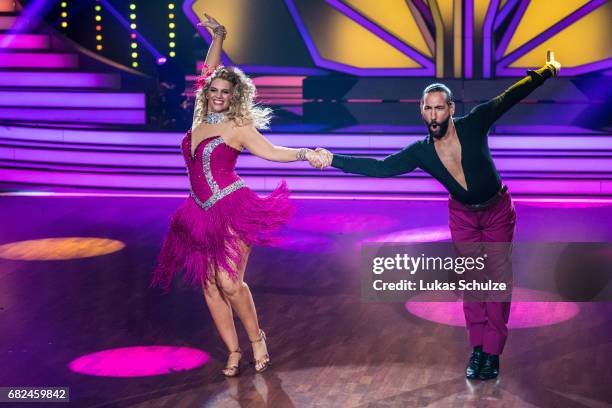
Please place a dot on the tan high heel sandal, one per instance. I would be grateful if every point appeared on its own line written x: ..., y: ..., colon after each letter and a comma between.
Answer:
x: 232, y: 370
x: 262, y: 365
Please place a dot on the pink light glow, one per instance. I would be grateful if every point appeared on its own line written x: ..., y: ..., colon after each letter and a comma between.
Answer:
x: 90, y: 99
x: 343, y: 223
x: 279, y: 81
x: 522, y: 314
x: 307, y: 243
x: 364, y: 100
x: 425, y: 234
x: 31, y: 60
x: 59, y: 79
x: 142, y: 361
x: 24, y: 41
x: 565, y: 204
x: 93, y: 115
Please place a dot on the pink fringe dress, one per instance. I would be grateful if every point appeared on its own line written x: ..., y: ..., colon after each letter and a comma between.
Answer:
x: 221, y: 211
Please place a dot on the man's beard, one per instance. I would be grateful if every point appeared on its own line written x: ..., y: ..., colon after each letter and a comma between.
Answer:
x: 440, y: 129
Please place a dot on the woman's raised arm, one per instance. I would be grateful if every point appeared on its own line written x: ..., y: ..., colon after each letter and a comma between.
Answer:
x: 213, y: 60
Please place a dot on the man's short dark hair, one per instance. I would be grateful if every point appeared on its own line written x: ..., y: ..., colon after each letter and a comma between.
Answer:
x: 438, y: 87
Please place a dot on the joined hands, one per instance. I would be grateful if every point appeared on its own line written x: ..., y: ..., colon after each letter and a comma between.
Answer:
x: 319, y: 158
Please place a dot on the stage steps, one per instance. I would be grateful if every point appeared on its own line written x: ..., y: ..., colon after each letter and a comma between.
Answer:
x: 578, y: 165
x: 42, y: 81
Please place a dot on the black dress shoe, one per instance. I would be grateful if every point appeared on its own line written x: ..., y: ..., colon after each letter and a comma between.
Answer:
x: 474, y: 365
x: 490, y: 367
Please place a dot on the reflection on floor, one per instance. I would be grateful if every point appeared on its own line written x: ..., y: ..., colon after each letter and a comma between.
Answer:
x: 88, y: 321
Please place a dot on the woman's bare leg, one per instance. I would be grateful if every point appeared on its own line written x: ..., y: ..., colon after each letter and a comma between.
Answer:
x: 221, y: 312
x: 239, y: 295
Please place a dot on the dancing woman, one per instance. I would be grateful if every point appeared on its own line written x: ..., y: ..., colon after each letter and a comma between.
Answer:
x: 211, y: 234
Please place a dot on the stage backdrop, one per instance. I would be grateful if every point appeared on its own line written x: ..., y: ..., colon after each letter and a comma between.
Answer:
x: 445, y: 38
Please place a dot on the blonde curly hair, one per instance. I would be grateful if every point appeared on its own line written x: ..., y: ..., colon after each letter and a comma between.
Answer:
x: 242, y: 109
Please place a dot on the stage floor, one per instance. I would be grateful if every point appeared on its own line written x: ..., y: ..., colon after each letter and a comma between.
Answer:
x: 328, y: 347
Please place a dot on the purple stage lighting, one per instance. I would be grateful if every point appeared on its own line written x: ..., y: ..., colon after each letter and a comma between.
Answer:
x: 424, y: 234
x: 306, y: 242
x: 60, y: 80
x: 340, y: 223
x: 34, y: 60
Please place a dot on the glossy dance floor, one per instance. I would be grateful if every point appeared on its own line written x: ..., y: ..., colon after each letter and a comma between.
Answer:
x: 76, y: 311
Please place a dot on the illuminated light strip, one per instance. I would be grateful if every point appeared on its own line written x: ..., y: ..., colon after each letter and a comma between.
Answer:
x: 364, y: 100
x: 162, y: 159
x: 74, y: 99
x: 302, y: 196
x: 555, y: 142
x: 99, y: 26
x: 64, y: 15
x: 108, y: 7
x: 33, y: 60
x: 133, y: 34
x: 60, y: 79
x: 24, y: 41
x: 88, y: 115
x: 171, y: 32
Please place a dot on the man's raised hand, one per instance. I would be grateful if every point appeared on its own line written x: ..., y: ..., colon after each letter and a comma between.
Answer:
x: 554, y: 65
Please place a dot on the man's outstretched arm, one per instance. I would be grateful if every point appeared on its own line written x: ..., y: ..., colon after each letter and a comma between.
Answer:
x: 401, y: 162
x: 488, y: 112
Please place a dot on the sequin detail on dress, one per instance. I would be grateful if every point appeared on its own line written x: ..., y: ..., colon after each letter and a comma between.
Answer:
x: 217, y: 193
x: 207, y: 232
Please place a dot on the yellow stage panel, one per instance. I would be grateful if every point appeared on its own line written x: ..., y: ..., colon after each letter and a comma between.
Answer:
x: 340, y: 39
x: 539, y: 16
x: 395, y: 17
x: 587, y: 40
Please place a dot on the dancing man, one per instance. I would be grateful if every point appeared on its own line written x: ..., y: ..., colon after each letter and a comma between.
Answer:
x: 456, y: 153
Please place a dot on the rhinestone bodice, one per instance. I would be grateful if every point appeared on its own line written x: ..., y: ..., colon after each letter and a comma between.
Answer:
x: 211, y: 170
